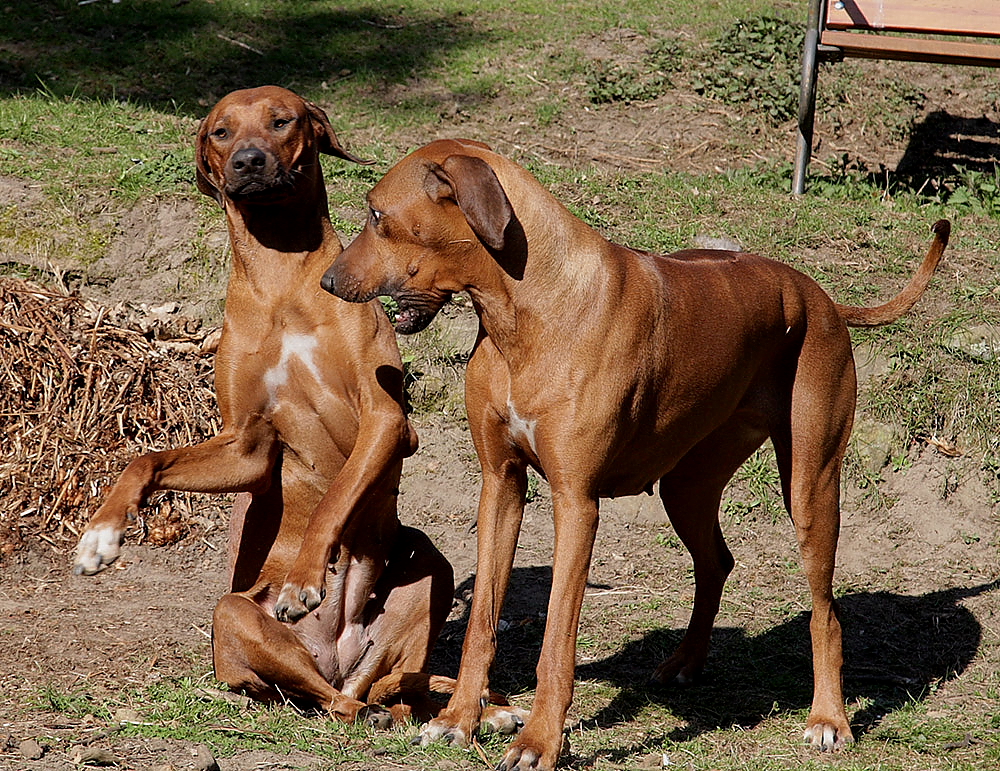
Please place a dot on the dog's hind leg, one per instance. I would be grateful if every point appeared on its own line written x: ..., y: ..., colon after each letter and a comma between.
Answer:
x: 398, y: 626
x: 257, y: 655
x: 810, y: 453
x: 691, y: 494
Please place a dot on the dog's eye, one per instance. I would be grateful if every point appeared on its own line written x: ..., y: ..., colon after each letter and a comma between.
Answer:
x: 280, y: 123
x: 220, y: 133
x: 376, y: 216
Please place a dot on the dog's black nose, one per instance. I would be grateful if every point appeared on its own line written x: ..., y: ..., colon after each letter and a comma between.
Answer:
x: 327, y: 282
x: 248, y: 161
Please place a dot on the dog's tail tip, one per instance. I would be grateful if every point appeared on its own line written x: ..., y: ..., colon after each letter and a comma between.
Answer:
x: 397, y: 684
x: 906, y: 299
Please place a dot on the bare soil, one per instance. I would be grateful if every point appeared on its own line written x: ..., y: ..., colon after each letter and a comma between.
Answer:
x: 918, y: 577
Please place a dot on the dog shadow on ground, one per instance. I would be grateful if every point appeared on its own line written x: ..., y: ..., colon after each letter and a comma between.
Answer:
x: 896, y: 648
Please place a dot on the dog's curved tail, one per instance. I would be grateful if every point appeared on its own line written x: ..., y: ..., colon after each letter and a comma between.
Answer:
x: 400, y: 683
x: 888, y: 312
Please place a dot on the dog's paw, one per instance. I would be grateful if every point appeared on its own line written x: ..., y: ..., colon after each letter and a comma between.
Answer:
x: 678, y: 670
x: 522, y: 759
x: 295, y: 601
x: 505, y: 721
x: 438, y: 730
x: 374, y: 716
x: 826, y: 737
x: 99, y: 547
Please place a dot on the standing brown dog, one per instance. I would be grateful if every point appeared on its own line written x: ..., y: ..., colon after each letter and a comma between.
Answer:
x: 314, y: 435
x: 609, y: 370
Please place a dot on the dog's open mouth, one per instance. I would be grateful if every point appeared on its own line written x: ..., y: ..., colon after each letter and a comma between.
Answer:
x: 412, y: 320
x: 414, y: 313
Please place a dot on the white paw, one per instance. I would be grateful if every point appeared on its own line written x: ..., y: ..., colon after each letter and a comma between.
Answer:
x: 505, y: 721
x: 99, y: 547
x: 826, y: 738
x: 441, y: 732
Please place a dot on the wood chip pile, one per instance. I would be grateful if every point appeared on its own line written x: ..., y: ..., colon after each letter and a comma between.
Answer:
x: 84, y: 388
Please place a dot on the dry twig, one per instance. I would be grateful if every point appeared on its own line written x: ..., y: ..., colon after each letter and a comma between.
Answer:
x: 85, y: 389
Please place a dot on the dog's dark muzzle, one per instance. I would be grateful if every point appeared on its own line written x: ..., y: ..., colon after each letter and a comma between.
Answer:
x: 346, y: 285
x: 251, y: 172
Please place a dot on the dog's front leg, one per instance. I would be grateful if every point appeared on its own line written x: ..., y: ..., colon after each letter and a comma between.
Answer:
x: 501, y: 507
x: 233, y: 461
x: 384, y: 439
x: 539, y: 744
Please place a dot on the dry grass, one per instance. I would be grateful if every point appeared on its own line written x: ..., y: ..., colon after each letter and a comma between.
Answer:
x: 86, y: 388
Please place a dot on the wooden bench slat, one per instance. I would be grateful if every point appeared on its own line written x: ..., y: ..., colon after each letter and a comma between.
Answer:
x: 978, y: 18
x: 827, y: 37
x: 912, y: 49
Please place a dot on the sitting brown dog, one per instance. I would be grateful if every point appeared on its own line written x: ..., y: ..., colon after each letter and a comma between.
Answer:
x: 609, y: 370
x: 310, y: 389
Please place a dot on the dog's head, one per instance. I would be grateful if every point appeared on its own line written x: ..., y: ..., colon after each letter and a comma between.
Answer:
x: 261, y: 145
x: 433, y: 216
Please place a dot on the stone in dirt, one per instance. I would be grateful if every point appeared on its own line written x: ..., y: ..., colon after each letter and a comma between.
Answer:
x: 30, y: 749
x: 204, y: 760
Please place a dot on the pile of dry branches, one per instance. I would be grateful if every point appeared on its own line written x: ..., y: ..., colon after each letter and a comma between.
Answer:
x: 85, y: 388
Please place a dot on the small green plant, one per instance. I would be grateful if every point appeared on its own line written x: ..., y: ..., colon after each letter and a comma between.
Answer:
x: 901, y: 461
x: 391, y: 309
x: 755, y: 61
x: 547, y: 112
x: 758, y: 476
x: 534, y: 483
x: 845, y: 178
x: 168, y: 169
x: 977, y: 191
x: 612, y: 83
x: 72, y: 704
x: 644, y: 81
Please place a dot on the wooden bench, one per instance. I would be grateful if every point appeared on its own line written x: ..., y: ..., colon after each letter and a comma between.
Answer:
x: 842, y: 28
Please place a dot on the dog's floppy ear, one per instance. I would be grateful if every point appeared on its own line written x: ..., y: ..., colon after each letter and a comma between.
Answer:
x: 326, y: 138
x: 470, y: 182
x: 203, y: 172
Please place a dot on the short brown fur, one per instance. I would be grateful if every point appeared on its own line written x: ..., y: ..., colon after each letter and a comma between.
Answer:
x: 611, y: 370
x: 313, y: 439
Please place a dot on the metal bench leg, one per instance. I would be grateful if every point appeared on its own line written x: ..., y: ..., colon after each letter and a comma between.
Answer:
x: 807, y: 98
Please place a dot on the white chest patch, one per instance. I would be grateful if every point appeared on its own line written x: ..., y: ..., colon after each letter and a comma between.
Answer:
x: 300, y: 347
x: 521, y: 429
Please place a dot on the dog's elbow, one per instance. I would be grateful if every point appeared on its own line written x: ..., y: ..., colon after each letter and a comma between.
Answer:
x: 400, y: 435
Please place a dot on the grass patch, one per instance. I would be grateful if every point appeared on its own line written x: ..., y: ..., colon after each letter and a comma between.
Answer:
x: 98, y: 108
x: 755, y: 61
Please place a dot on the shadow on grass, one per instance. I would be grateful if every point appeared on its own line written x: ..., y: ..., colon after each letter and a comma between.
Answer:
x: 186, y: 54
x: 895, y: 649
x: 949, y: 158
x: 942, y: 141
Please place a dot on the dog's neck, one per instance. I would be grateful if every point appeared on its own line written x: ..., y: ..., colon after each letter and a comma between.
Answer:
x: 557, y: 271
x: 278, y: 246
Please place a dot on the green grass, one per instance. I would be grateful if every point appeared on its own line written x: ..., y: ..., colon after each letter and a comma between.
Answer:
x: 202, y: 50
x: 98, y: 108
x: 191, y: 710
x: 914, y: 734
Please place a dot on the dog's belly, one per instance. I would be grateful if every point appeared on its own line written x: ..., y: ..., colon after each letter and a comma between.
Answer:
x: 646, y: 459
x: 317, y: 631
x: 620, y: 485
